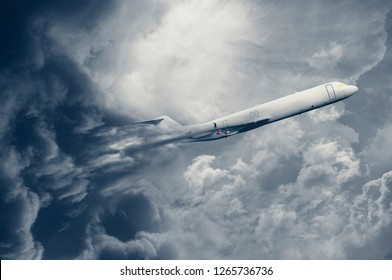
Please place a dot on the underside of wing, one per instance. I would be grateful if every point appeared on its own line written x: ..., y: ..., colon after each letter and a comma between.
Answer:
x: 227, y: 131
x: 253, y: 125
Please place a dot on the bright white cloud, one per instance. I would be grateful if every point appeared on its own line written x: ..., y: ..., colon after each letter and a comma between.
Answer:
x: 367, y: 235
x: 375, y: 151
x: 330, y: 113
x: 184, y: 66
x: 200, y: 172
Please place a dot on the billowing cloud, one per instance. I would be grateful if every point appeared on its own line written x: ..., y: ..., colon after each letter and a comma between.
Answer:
x: 19, y: 209
x: 77, y: 180
x: 371, y: 221
x: 375, y: 151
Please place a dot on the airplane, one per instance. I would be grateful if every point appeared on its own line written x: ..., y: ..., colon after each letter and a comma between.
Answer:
x: 257, y: 116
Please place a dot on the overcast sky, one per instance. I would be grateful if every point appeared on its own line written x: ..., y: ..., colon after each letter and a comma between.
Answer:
x: 75, y: 74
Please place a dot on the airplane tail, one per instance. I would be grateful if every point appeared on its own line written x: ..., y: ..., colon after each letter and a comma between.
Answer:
x: 164, y: 122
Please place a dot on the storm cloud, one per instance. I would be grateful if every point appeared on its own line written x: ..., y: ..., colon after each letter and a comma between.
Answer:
x: 79, y: 181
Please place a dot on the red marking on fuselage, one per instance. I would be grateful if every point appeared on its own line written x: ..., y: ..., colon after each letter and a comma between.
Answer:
x: 217, y: 132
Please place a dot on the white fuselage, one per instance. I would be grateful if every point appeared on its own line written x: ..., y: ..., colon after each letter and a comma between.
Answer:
x: 270, y: 112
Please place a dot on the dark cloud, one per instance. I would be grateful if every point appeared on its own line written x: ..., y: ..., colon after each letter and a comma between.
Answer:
x: 78, y: 181
x: 129, y: 216
x: 17, y: 18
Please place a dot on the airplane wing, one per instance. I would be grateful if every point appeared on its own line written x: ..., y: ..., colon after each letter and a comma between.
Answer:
x: 226, y: 131
x: 253, y: 125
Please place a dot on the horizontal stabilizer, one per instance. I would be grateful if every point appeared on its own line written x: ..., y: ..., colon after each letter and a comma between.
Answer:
x: 154, y: 121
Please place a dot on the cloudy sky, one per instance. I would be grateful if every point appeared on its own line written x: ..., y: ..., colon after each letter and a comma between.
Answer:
x: 75, y: 74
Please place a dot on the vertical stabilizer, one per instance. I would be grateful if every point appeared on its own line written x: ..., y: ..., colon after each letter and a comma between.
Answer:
x: 165, y: 123
x: 168, y: 123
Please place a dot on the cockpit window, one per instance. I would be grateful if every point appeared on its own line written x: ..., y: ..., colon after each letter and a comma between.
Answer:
x: 341, y: 85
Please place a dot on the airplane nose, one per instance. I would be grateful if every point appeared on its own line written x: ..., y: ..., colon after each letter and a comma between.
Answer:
x: 351, y: 89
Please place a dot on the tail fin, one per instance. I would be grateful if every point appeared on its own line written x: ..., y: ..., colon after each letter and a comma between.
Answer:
x: 168, y: 123
x: 164, y: 122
